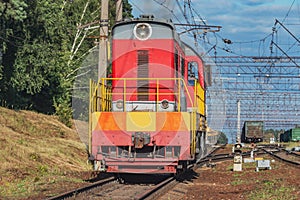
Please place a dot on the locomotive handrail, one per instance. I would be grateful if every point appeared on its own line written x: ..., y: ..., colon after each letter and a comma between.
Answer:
x: 105, y: 93
x: 101, y: 98
x: 97, y: 102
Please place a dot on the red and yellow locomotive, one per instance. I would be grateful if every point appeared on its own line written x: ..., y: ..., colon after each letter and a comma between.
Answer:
x: 149, y: 116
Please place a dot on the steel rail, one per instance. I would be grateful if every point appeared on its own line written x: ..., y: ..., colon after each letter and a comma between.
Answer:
x: 159, y: 186
x: 74, y: 192
x: 166, y: 183
x: 293, y: 163
x: 291, y: 153
x: 206, y: 160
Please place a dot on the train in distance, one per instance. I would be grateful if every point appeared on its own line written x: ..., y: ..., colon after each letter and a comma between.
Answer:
x: 253, y: 132
x: 291, y: 135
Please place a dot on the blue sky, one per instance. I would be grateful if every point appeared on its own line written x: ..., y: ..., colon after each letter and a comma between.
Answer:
x: 241, y: 20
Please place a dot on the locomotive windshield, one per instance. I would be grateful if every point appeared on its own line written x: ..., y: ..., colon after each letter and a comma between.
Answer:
x: 142, y: 31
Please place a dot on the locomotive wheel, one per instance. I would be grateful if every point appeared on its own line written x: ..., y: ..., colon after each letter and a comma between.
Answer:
x: 183, y: 169
x: 120, y: 179
x: 198, y: 146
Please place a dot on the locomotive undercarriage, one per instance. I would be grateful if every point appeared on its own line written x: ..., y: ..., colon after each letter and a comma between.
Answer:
x: 148, y: 158
x: 200, y: 145
x: 145, y: 152
x: 161, y: 159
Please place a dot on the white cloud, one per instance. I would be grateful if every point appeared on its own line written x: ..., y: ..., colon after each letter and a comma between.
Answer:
x: 256, y: 2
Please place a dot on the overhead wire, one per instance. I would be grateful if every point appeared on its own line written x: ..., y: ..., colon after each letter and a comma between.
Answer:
x: 194, y: 21
x: 288, y: 12
x: 205, y: 39
x: 166, y: 7
x: 175, y: 16
x: 275, y: 31
x: 137, y: 7
x: 214, y: 46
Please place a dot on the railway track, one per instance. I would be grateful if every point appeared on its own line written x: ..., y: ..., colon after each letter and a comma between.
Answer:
x: 74, y: 193
x: 284, y: 156
x: 117, y: 187
x: 113, y: 189
x: 168, y: 186
x: 209, y: 161
x: 292, y: 153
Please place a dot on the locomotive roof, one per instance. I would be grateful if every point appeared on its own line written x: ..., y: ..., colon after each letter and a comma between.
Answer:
x: 149, y: 19
x: 190, y: 51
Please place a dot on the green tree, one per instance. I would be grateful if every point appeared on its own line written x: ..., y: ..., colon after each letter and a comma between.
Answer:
x: 271, y: 133
x: 12, y: 15
x: 1, y: 67
x: 42, y: 49
x: 222, y: 139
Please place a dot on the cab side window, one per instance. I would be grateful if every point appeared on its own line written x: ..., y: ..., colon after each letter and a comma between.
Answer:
x: 182, y: 66
x: 176, y: 62
x: 192, y: 72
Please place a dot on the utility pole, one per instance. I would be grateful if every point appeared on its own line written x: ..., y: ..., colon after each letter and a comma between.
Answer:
x: 102, y: 65
x: 119, y: 10
x: 238, y: 133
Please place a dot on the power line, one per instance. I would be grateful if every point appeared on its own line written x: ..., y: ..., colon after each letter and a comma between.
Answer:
x: 262, y: 83
x: 166, y: 7
x: 136, y: 6
x: 182, y: 12
x: 288, y: 11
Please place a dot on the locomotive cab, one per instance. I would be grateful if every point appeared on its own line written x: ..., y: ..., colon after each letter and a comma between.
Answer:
x: 143, y: 52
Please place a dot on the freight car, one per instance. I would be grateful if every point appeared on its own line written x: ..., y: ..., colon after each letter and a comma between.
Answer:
x: 149, y: 116
x: 212, y: 136
x: 291, y: 135
x: 252, y: 132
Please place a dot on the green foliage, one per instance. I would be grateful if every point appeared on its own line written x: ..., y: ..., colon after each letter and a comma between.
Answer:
x: 41, y: 49
x: 63, y: 110
x: 1, y: 71
x: 222, y: 139
x: 35, y: 157
x: 14, y: 9
x: 42, y: 169
x: 1, y: 67
x: 273, y: 133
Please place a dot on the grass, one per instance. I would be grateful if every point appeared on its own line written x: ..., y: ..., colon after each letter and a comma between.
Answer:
x: 29, y: 186
x: 237, y: 182
x: 290, y: 145
x: 271, y: 190
x: 244, y: 166
x: 265, y: 189
x: 37, y: 151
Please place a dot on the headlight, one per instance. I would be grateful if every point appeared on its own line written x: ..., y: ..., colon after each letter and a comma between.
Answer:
x: 142, y: 31
x: 119, y: 104
x: 164, y: 104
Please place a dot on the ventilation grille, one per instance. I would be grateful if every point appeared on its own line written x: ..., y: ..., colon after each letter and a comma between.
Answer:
x: 143, y: 72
